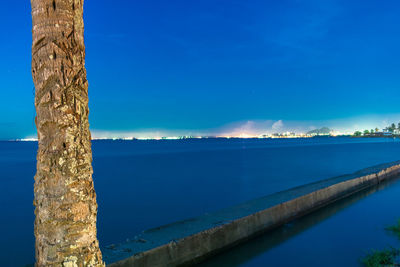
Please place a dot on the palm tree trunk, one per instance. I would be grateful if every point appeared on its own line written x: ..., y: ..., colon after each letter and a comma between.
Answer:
x: 65, y: 200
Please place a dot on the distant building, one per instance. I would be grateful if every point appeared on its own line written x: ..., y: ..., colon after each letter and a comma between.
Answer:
x: 381, y: 134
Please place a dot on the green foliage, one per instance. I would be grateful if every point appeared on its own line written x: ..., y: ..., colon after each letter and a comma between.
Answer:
x: 391, y: 128
x: 378, y: 258
x: 395, y: 229
x: 387, y: 257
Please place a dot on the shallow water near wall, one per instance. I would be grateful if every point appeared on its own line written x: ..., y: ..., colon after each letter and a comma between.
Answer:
x: 144, y: 184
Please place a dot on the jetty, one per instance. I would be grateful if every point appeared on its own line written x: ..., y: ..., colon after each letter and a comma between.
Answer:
x: 190, y: 241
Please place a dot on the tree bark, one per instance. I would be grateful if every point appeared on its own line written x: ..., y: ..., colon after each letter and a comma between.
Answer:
x: 65, y: 200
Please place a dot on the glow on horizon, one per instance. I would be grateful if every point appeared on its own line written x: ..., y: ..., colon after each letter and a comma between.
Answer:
x: 249, y: 129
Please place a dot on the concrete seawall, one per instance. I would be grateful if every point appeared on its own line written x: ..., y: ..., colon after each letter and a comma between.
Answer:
x: 190, y: 241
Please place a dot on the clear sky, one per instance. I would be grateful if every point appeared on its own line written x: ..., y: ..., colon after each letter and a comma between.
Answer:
x: 210, y: 66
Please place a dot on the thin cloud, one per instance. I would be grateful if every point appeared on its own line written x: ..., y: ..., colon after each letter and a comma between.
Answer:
x: 277, y: 125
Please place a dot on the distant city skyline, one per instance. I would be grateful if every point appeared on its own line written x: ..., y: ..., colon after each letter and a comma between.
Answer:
x: 220, y: 67
x: 252, y: 128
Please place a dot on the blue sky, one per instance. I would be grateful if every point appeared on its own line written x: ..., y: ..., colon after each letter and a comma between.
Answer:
x: 217, y: 66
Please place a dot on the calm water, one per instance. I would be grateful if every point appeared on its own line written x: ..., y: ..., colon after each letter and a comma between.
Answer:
x: 338, y: 235
x: 143, y: 184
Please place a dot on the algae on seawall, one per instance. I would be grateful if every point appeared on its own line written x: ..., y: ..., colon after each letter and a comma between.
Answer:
x: 386, y: 257
x: 395, y: 229
x: 379, y: 258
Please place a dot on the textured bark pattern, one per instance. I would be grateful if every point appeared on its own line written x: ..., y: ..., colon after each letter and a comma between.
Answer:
x: 65, y: 200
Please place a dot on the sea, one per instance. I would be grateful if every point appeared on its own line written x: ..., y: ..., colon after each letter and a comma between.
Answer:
x: 142, y: 184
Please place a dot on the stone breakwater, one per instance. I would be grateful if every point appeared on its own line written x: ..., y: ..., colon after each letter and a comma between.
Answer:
x: 186, y: 242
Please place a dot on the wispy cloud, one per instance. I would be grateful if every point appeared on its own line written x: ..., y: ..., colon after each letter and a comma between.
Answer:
x: 308, y: 26
x: 277, y: 125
